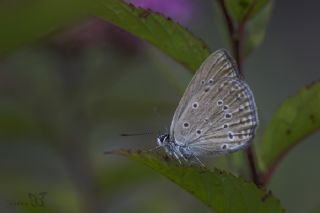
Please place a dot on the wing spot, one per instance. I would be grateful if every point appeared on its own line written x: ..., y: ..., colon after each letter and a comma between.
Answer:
x: 207, y: 89
x: 195, y: 105
x: 230, y: 136
x: 202, y: 82
x: 228, y: 115
x: 210, y: 81
x: 224, y: 146
x: 225, y: 126
x: 198, y: 132
x: 225, y: 107
x: 219, y: 102
x: 186, y: 124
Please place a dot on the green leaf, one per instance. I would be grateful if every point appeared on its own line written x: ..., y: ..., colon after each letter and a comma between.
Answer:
x: 162, y: 32
x: 22, y: 23
x: 255, y: 29
x: 221, y: 191
x: 244, y: 9
x: 25, y: 21
x: 297, y: 118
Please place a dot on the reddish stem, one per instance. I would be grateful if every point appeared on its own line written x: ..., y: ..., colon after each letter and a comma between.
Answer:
x: 253, y: 167
x: 236, y: 37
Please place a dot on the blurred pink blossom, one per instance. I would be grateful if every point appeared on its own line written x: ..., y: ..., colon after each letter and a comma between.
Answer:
x: 179, y: 10
x: 95, y: 31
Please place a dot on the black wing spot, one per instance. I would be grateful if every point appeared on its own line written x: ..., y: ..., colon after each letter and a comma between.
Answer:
x: 195, y: 105
x: 228, y: 115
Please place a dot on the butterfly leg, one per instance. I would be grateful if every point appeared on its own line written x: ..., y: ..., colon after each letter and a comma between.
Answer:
x: 183, y: 157
x: 154, y: 149
x: 179, y: 153
x: 198, y: 160
x: 177, y: 157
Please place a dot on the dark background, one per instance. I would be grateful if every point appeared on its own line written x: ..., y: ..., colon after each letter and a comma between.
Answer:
x: 66, y: 98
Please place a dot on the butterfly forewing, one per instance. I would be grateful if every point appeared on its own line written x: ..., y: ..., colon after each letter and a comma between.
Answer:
x: 217, y: 66
x: 218, y: 116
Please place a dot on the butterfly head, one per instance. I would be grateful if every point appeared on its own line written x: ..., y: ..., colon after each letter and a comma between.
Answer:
x: 163, y: 140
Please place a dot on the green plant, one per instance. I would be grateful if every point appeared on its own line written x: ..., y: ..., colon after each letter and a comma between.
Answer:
x: 244, y: 23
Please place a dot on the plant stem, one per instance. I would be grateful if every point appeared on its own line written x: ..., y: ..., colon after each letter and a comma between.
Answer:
x: 236, y: 33
x: 253, y: 167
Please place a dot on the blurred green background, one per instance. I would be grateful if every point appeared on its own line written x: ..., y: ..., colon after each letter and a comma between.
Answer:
x: 67, y: 97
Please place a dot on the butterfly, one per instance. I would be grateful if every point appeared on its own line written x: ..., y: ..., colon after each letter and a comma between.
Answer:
x: 217, y: 113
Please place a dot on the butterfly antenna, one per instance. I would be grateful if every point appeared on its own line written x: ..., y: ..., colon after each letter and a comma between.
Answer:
x: 137, y: 134
x: 154, y: 149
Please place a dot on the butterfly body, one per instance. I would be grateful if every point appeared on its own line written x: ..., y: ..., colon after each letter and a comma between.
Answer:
x: 217, y: 113
x: 173, y: 148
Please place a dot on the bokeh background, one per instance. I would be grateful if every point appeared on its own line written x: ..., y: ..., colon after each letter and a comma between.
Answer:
x: 66, y: 98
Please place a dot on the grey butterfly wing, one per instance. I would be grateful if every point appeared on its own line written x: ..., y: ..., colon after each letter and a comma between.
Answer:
x: 218, y: 65
x: 218, y: 117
